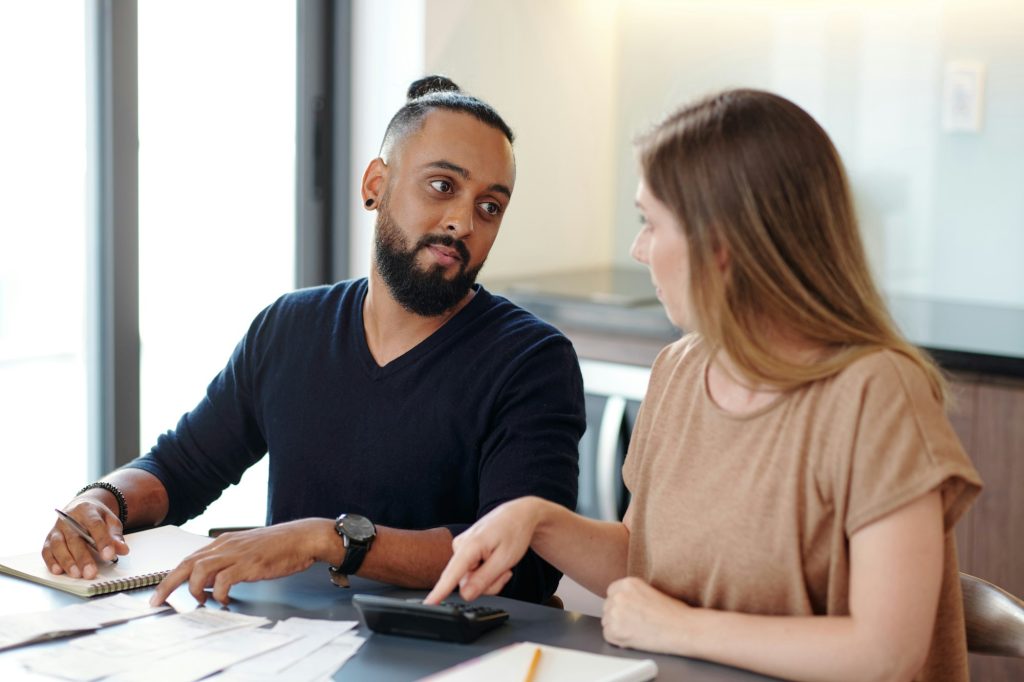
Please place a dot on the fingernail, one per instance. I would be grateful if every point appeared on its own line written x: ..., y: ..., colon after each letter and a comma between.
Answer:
x: 74, y: 572
x: 108, y: 553
x: 56, y: 569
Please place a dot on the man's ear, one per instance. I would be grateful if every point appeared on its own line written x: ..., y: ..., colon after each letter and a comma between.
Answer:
x: 374, y: 180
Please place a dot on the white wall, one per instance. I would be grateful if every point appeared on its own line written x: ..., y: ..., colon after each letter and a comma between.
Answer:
x: 388, y: 49
x: 942, y: 212
x: 549, y: 67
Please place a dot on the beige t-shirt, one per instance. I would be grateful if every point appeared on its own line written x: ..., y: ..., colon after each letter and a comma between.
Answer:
x: 754, y: 513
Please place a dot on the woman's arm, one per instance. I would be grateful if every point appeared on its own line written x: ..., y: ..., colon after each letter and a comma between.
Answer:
x: 591, y: 552
x: 895, y: 578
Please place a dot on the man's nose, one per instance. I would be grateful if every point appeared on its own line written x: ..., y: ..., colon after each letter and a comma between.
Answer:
x: 459, y: 221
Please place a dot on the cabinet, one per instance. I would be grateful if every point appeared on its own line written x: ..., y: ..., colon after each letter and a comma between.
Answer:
x: 988, y: 415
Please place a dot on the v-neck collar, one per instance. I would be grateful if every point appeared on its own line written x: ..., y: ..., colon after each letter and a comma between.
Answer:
x: 460, y: 320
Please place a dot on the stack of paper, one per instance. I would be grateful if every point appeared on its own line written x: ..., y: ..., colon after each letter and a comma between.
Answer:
x: 191, y: 646
x: 28, y: 628
x: 321, y: 648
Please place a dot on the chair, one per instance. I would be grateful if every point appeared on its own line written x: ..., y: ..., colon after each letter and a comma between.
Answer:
x: 994, y: 617
x: 216, y: 532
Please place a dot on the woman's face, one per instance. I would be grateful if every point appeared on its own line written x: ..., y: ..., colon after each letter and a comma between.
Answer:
x: 662, y: 247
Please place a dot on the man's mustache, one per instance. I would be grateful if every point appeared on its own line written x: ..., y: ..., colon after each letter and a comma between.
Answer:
x: 444, y: 240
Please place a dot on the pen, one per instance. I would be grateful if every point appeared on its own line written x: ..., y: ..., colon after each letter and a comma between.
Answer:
x: 531, y: 672
x: 77, y: 527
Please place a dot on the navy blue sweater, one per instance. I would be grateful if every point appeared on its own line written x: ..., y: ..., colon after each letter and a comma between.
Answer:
x: 487, y: 409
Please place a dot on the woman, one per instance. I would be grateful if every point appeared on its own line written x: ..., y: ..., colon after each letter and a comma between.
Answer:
x: 794, y: 478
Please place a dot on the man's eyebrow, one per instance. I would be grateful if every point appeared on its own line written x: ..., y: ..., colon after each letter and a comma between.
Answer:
x: 464, y: 174
x: 448, y: 165
x: 501, y: 189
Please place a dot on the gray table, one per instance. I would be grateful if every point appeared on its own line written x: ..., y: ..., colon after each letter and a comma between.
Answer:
x: 387, y: 658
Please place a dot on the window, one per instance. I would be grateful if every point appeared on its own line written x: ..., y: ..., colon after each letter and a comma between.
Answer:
x: 217, y: 93
x: 43, y: 410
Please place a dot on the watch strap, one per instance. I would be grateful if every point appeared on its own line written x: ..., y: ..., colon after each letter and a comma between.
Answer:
x: 355, y: 553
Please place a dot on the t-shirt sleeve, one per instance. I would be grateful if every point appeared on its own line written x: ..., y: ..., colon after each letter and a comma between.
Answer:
x: 633, y: 468
x: 213, y: 444
x: 903, y: 447
x: 532, y: 448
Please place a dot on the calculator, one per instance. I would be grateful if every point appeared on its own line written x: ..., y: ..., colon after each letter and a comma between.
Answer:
x: 447, y: 621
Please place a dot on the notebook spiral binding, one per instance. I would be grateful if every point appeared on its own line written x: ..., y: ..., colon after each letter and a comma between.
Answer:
x: 132, y: 583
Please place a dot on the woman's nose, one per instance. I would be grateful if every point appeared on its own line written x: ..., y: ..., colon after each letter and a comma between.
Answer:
x: 639, y: 249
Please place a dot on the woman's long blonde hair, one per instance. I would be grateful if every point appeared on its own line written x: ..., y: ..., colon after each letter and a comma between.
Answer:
x: 752, y: 173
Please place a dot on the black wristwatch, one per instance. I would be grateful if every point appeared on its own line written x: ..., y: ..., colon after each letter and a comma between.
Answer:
x: 358, y: 533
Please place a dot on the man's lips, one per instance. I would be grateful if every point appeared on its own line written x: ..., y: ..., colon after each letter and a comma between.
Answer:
x: 443, y: 254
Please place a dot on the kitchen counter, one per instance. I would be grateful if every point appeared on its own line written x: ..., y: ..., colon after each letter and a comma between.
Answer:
x: 619, y: 304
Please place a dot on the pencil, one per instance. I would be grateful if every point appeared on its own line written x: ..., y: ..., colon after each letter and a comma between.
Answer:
x: 531, y: 672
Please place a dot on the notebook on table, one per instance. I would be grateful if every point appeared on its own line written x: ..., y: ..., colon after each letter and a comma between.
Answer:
x: 515, y: 663
x: 154, y: 553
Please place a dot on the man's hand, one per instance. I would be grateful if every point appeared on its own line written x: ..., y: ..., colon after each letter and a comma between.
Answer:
x: 64, y: 551
x: 248, y: 556
x: 639, y: 616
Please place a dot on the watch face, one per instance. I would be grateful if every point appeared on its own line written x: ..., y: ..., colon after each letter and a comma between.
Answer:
x: 356, y: 527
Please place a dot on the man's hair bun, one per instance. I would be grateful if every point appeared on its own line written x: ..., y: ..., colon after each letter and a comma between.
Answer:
x: 437, y: 92
x: 430, y: 84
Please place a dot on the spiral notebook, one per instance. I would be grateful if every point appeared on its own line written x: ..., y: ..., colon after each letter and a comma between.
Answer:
x: 153, y: 554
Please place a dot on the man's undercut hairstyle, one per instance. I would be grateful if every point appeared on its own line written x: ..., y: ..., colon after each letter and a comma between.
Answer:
x: 437, y: 92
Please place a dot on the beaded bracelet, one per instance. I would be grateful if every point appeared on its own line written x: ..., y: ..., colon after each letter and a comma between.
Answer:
x: 122, y: 505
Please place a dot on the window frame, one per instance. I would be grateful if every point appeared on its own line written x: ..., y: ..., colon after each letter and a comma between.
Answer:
x: 323, y: 95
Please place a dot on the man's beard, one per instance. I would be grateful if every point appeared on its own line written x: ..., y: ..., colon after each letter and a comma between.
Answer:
x: 423, y: 292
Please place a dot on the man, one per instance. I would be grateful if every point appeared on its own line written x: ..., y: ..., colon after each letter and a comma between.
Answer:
x: 410, y: 403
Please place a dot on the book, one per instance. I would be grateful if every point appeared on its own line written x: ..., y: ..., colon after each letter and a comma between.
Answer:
x: 555, y: 664
x: 153, y: 554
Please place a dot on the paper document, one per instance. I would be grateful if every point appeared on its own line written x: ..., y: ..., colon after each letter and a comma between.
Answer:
x: 204, y: 657
x: 322, y: 647
x: 139, y: 645
x: 28, y: 628
x: 511, y: 663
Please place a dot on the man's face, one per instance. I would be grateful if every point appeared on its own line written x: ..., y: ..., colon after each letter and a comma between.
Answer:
x: 442, y: 199
x: 428, y: 292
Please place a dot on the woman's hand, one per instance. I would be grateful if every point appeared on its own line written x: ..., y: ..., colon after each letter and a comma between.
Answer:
x: 639, y: 616
x: 485, y: 553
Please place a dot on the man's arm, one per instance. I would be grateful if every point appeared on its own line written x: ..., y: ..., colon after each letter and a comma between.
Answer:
x: 97, y: 510
x: 401, y: 557
x: 533, y: 447
x: 189, y: 467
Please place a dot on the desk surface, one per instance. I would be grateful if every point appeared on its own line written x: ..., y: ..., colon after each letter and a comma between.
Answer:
x: 386, y: 658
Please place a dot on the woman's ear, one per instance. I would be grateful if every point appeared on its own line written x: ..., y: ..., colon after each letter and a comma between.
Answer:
x: 723, y: 259
x: 374, y: 180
